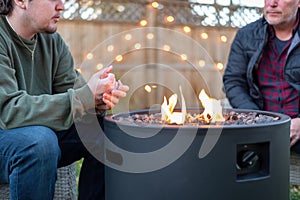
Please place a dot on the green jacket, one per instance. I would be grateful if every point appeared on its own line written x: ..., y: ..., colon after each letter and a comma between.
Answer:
x: 39, y: 91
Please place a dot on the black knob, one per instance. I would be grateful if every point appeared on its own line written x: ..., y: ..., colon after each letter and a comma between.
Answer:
x: 247, y: 159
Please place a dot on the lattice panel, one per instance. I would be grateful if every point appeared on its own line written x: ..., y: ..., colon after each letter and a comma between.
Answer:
x: 124, y: 11
x: 183, y: 12
x: 196, y: 14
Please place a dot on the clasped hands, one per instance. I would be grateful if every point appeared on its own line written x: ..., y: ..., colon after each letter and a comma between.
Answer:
x: 106, y: 90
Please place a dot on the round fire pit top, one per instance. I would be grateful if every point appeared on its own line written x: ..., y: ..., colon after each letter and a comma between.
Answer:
x: 241, y: 118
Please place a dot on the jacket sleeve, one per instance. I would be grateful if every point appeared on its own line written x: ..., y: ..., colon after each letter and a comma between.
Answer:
x: 235, y: 76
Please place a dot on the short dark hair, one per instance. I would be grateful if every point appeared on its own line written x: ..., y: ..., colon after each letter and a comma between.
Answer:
x: 5, y: 6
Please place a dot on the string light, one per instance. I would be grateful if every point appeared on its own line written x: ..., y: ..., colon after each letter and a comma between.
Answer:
x: 90, y: 56
x: 184, y: 57
x: 169, y: 19
x: 137, y: 46
x: 128, y: 37
x: 204, y: 36
x: 120, y: 8
x: 110, y: 48
x: 166, y: 48
x: 150, y: 36
x: 99, y: 66
x: 219, y: 66
x: 119, y: 58
x: 223, y: 38
x: 186, y: 29
x: 143, y: 22
x: 155, y: 4
x: 201, y: 63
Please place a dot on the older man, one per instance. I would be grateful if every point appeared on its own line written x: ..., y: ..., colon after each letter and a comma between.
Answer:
x: 263, y: 70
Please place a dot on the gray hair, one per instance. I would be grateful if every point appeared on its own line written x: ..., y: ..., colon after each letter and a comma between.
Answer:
x: 5, y: 6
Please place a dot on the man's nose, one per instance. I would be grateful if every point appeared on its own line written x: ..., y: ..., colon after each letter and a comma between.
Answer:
x: 273, y: 3
x: 60, y: 6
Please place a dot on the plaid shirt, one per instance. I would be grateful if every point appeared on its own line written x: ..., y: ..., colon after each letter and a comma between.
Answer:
x: 278, y: 95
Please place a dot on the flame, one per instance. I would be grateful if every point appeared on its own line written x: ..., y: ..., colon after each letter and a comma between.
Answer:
x: 212, y: 108
x: 167, y: 110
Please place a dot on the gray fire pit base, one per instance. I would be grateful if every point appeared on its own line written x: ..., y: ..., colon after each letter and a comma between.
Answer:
x: 247, y: 163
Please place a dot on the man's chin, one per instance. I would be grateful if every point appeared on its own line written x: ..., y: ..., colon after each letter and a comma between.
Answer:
x: 50, y: 31
x: 274, y: 22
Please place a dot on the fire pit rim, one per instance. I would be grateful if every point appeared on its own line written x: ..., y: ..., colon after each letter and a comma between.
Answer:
x: 282, y: 119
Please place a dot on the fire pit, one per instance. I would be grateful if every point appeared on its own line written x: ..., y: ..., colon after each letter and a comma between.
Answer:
x: 229, y: 160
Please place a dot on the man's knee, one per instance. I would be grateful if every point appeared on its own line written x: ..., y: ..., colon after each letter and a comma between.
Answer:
x: 39, y: 142
x: 296, y: 147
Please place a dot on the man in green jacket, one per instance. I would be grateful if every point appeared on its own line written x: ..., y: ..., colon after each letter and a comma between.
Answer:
x: 39, y: 102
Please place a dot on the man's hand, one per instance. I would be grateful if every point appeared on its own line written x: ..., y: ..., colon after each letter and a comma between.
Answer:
x: 100, y: 84
x: 107, y: 92
x: 295, y: 131
x: 105, y: 86
x: 112, y: 98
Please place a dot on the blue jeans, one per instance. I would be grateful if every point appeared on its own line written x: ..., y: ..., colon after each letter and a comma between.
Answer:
x: 296, y: 147
x: 29, y: 157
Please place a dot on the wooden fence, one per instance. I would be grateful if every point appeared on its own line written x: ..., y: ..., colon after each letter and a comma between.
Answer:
x: 153, y: 61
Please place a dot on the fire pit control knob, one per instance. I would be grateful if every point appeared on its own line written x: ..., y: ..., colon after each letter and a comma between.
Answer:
x: 247, y: 159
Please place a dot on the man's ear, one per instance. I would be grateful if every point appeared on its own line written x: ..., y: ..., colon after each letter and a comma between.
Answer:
x: 20, y: 3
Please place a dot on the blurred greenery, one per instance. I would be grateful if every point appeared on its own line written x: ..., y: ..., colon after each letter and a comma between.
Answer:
x: 294, y: 190
x: 78, y: 166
